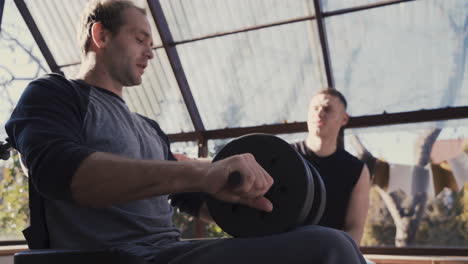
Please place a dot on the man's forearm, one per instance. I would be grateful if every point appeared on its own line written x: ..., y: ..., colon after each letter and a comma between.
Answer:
x: 103, y: 179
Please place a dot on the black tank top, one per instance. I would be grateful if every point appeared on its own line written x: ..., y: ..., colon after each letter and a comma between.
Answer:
x: 340, y: 173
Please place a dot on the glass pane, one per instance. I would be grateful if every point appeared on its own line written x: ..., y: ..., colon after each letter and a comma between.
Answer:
x: 20, y: 63
x: 14, y: 209
x: 57, y: 21
x: 9, y: 95
x: 429, y: 158
x: 260, y: 77
x: 159, y: 96
x: 215, y: 145
x: 71, y: 71
x: 188, y: 19
x: 188, y: 148
x: 402, y: 57
x: 294, y: 137
x: 331, y: 5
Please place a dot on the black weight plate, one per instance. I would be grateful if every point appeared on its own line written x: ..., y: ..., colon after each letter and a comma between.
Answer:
x: 291, y: 194
x: 320, y: 197
x: 309, y: 199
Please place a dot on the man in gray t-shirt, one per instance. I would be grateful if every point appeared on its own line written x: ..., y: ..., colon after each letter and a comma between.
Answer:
x: 102, y: 173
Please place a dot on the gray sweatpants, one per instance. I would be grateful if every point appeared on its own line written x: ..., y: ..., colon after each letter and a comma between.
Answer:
x: 304, y: 245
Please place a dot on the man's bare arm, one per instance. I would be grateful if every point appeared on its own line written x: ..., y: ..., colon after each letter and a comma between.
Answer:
x: 104, y: 179
x: 358, y: 207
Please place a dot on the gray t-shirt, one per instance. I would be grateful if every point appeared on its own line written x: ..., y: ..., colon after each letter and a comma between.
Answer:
x: 55, y: 126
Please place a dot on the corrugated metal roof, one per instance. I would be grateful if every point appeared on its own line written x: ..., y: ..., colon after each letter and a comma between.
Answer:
x: 57, y: 21
x: 402, y: 57
x: 259, y: 77
x: 159, y: 96
x: 330, y: 5
x: 194, y: 18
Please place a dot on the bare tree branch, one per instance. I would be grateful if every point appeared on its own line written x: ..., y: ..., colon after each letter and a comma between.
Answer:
x: 423, y: 146
x: 364, y: 154
x: 4, y: 80
x: 390, y: 203
x: 23, y: 47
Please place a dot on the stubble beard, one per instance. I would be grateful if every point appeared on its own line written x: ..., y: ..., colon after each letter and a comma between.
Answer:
x: 131, y: 77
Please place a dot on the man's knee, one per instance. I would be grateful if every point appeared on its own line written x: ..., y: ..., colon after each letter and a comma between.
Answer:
x: 325, y: 238
x: 331, y: 245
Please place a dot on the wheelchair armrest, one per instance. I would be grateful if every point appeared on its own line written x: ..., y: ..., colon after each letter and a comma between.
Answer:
x: 68, y: 256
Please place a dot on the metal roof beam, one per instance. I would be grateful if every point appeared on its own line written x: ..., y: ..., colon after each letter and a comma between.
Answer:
x: 290, y: 21
x: 246, y: 29
x: 24, y: 11
x: 363, y: 7
x: 239, y: 131
x: 2, y: 5
x: 176, y: 65
x: 324, y: 43
x: 448, y: 113
x: 432, y: 115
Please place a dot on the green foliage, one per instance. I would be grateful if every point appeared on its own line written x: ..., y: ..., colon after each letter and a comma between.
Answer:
x: 188, y: 225
x: 14, y: 210
x: 379, y: 229
x: 441, y: 225
x: 213, y: 230
x: 444, y: 223
x: 185, y: 223
x: 462, y: 218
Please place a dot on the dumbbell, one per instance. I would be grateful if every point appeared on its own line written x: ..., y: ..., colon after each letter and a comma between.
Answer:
x: 298, y: 193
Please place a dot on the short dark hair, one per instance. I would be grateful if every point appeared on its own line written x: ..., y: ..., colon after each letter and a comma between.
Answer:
x: 335, y: 93
x: 109, y: 13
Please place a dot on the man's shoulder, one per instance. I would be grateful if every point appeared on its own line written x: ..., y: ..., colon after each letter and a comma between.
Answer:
x: 54, y: 85
x: 153, y: 124
x: 53, y: 89
x: 300, y: 147
x: 51, y: 78
x: 349, y: 156
x: 51, y: 82
x: 345, y: 155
